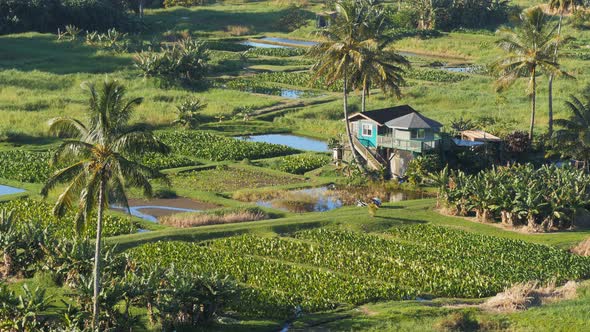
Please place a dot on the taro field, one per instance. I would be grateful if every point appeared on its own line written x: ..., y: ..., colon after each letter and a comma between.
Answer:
x: 326, y: 268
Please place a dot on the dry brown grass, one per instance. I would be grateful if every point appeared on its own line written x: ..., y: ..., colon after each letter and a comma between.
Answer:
x: 194, y: 219
x: 238, y: 30
x: 583, y: 248
x: 525, y: 295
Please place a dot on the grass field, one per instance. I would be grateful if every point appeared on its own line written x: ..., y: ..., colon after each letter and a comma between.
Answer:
x: 40, y: 77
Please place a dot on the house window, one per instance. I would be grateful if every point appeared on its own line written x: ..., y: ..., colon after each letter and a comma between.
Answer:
x: 367, y: 130
x: 418, y: 133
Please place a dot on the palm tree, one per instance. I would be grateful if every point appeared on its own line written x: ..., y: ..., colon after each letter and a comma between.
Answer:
x: 573, y: 139
x: 99, y: 165
x: 381, y: 67
x: 529, y: 52
x: 562, y: 6
x: 352, y: 54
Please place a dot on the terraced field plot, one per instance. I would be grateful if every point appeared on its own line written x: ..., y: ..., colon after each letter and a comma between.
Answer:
x: 322, y: 268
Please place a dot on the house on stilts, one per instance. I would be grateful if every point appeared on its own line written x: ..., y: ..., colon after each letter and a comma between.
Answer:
x: 391, y: 137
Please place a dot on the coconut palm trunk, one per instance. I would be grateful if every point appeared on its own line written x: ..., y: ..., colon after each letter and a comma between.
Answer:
x: 98, y: 245
x: 533, y: 103
x: 364, y: 99
x: 550, y: 113
x: 7, y: 257
x: 345, y: 107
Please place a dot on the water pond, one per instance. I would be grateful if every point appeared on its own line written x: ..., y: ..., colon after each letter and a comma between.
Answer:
x: 288, y: 41
x: 261, y: 45
x: 464, y: 70
x: 294, y: 141
x: 7, y: 190
x: 146, y: 212
x: 268, y: 42
x: 283, y: 92
x: 328, y: 198
x: 305, y: 200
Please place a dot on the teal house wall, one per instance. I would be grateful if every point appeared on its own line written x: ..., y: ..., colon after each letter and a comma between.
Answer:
x: 368, y: 141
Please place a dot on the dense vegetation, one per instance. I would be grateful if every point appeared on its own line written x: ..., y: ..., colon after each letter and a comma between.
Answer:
x: 50, y: 15
x: 25, y: 166
x: 541, y: 198
x: 302, y: 163
x: 444, y: 262
x: 197, y: 144
x: 42, y: 213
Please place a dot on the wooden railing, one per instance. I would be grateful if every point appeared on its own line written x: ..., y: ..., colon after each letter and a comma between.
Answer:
x: 408, y: 145
x: 373, y: 160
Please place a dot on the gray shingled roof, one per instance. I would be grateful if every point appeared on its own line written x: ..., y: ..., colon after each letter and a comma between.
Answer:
x: 413, y: 120
x: 383, y: 115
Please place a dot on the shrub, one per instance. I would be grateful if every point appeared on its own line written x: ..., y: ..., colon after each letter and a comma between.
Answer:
x: 302, y: 163
x: 517, y: 142
x: 189, y: 113
x: 185, y: 62
x: 420, y: 167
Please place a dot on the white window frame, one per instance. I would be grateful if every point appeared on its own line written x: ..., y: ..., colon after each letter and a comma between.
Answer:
x: 415, y: 134
x: 369, y: 130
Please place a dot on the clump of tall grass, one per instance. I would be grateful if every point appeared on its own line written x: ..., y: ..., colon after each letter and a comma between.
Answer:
x: 522, y: 296
x: 237, y: 30
x: 583, y: 248
x: 215, y: 217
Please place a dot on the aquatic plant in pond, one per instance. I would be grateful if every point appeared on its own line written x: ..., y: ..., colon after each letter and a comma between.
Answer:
x: 305, y: 200
x: 227, y: 179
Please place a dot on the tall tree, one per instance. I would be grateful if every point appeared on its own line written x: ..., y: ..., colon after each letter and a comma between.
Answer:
x: 573, y: 138
x: 353, y: 53
x: 529, y: 53
x: 561, y: 6
x: 100, y: 165
x: 380, y: 67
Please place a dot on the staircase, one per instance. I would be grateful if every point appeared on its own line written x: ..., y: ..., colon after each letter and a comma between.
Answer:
x: 374, y: 160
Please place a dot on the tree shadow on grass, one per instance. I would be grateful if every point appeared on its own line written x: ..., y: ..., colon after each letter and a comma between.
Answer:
x: 211, y: 20
x: 34, y: 51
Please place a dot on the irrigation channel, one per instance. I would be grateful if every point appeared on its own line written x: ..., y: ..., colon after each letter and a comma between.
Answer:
x: 7, y: 190
x: 272, y: 42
